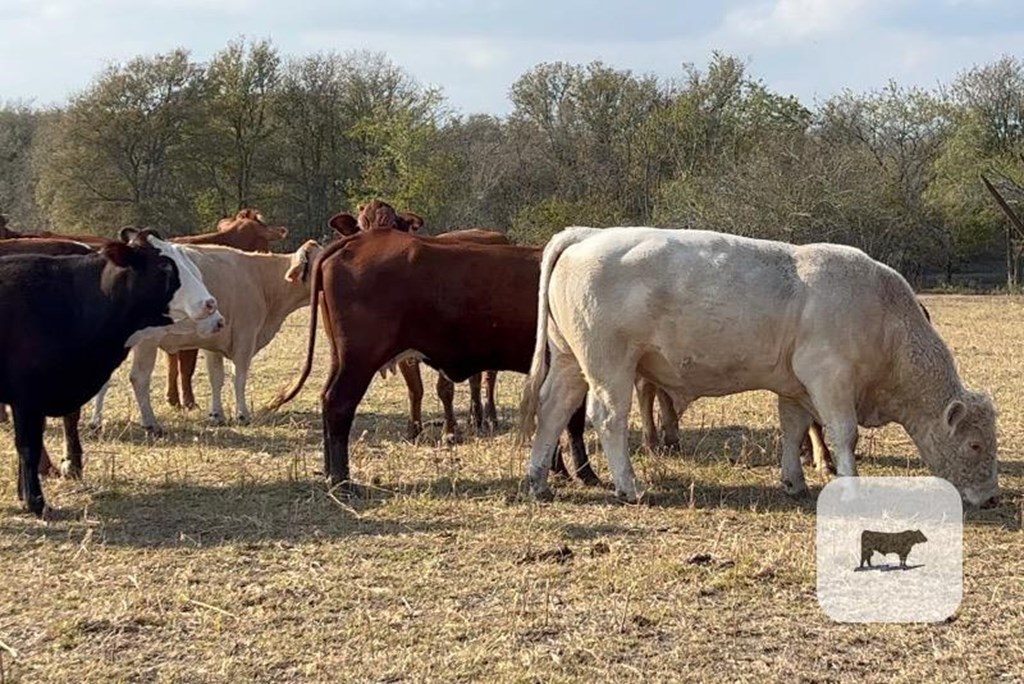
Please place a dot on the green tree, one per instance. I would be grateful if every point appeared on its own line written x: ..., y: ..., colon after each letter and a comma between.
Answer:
x: 19, y: 128
x: 233, y: 145
x: 118, y: 153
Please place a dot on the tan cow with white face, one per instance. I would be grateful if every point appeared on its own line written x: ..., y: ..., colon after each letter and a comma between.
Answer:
x: 255, y: 292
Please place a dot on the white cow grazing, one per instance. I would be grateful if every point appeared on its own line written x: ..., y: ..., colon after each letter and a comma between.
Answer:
x: 837, y: 335
x: 255, y: 292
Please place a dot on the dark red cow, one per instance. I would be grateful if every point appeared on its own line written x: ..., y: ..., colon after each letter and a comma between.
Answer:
x: 385, y: 292
x: 379, y: 215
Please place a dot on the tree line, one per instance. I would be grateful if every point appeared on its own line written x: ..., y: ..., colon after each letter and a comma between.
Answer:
x: 174, y: 143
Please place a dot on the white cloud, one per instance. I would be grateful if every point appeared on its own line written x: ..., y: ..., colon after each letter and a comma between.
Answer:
x: 783, y: 21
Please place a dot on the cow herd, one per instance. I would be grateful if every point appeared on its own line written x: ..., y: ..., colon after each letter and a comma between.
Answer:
x: 594, y: 317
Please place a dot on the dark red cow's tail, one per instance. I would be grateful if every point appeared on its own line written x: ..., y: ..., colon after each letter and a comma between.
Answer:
x: 315, y: 287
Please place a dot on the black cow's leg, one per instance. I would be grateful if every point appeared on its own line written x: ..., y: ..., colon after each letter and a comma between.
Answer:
x: 28, y: 439
x: 476, y: 409
x: 581, y: 461
x: 3, y: 413
x: 490, y: 407
x: 414, y: 382
x: 72, y: 465
x: 446, y: 393
x: 339, y: 402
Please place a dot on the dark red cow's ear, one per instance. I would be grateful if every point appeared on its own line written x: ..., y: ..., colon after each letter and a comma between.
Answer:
x: 344, y: 224
x: 118, y: 253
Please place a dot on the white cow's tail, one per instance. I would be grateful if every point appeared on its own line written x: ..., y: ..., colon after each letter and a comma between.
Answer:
x: 539, y: 364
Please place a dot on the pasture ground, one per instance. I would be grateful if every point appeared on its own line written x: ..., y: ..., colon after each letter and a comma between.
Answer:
x: 217, y: 555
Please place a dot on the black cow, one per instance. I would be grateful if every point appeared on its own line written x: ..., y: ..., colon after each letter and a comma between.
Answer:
x: 72, y: 441
x: 68, y: 324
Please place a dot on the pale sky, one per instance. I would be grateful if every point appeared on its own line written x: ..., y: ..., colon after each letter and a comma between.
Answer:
x: 474, y: 50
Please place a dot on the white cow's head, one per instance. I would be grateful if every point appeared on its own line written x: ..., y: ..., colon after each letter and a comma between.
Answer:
x: 191, y: 300
x: 961, y: 447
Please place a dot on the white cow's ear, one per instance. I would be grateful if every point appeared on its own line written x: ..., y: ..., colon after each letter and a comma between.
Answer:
x: 954, y: 413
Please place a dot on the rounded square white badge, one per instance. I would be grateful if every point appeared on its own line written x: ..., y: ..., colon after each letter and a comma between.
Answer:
x: 889, y: 549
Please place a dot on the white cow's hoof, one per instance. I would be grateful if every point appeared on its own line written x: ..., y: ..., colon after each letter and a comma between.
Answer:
x: 626, y: 497
x: 539, y: 490
x: 155, y: 430
x: 244, y: 420
x: 797, y: 490
x: 95, y: 425
x: 544, y: 495
x: 217, y: 419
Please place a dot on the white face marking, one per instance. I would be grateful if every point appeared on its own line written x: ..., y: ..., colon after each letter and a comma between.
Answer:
x: 191, y: 300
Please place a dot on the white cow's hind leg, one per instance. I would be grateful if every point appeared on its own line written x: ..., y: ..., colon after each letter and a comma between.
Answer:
x: 96, y: 419
x: 560, y: 395
x: 143, y: 361
x: 215, y: 371
x: 608, y: 408
x: 794, y: 420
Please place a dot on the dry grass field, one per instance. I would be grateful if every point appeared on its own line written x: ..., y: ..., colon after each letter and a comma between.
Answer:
x: 217, y: 555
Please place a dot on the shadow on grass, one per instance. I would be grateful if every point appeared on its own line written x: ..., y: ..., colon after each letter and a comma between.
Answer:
x: 184, y: 516
x: 713, y: 442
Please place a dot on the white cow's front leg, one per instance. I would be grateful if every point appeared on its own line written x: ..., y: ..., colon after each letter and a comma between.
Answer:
x: 96, y: 419
x: 143, y: 361
x: 215, y: 371
x: 241, y: 377
x: 609, y: 405
x: 794, y: 421
x: 834, y: 405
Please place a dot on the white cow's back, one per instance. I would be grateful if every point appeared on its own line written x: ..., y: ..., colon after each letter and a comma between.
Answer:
x: 710, y: 314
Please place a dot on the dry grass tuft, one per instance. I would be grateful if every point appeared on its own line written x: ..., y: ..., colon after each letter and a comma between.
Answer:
x: 215, y: 554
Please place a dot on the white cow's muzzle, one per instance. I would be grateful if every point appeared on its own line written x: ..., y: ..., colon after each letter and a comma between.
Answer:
x: 211, y: 325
